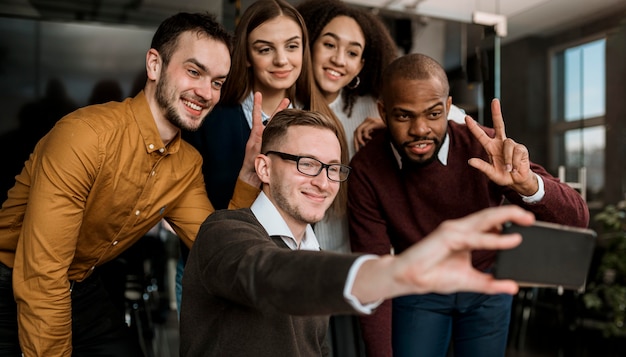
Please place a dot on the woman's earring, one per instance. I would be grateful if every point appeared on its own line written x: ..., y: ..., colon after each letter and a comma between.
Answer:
x: 353, y: 86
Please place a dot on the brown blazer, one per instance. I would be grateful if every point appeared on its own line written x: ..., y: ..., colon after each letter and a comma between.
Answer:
x: 246, y: 294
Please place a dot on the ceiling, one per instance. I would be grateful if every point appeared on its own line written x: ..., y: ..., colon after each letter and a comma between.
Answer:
x: 523, y: 17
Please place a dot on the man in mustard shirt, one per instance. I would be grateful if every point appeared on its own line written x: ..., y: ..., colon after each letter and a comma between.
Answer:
x: 97, y: 182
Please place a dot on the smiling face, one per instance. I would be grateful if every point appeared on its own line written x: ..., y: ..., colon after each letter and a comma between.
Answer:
x: 299, y: 198
x: 416, y: 112
x: 275, y: 54
x: 337, y: 55
x: 188, y: 87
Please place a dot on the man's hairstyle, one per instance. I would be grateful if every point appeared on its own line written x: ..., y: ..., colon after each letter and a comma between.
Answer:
x: 166, y: 37
x: 275, y: 132
x: 379, y: 51
x: 415, y: 66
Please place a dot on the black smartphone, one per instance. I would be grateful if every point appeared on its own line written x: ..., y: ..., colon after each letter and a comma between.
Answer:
x: 550, y: 255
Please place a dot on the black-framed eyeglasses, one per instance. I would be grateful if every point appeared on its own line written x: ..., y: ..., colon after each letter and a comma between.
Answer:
x: 312, y: 167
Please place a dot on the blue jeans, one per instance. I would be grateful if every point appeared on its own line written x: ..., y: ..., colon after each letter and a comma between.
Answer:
x: 477, y: 325
x: 96, y: 330
x: 180, y: 268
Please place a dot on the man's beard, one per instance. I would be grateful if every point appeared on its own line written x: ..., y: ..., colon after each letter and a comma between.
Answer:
x: 283, y: 203
x: 169, y: 111
x: 408, y: 161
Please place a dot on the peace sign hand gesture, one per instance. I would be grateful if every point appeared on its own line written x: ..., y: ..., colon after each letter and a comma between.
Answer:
x: 253, y: 146
x: 509, y: 162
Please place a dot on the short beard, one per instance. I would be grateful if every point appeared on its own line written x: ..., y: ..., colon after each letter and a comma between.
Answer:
x: 407, y: 161
x: 169, y: 111
x: 283, y: 203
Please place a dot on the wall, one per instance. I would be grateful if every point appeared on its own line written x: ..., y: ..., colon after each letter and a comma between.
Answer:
x: 525, y: 95
x: 615, y: 157
x: 50, y: 68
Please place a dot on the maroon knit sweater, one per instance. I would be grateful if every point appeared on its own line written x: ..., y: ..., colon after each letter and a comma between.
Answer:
x: 392, y: 207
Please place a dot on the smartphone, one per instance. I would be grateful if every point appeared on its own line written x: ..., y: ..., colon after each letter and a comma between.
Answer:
x: 550, y: 255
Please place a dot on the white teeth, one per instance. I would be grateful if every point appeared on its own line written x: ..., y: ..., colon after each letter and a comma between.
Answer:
x: 334, y: 73
x: 191, y: 105
x: 421, y: 146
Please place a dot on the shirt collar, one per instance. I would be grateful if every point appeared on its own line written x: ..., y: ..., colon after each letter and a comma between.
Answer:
x: 442, y: 155
x: 148, y: 128
x: 247, y: 105
x: 269, y: 217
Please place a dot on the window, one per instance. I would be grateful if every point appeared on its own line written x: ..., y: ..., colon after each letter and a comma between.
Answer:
x: 578, y: 112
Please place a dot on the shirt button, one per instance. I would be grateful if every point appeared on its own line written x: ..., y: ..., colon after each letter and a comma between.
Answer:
x: 161, y: 150
x: 115, y: 243
x: 153, y: 173
x: 93, y: 267
x: 137, y: 213
x: 151, y: 146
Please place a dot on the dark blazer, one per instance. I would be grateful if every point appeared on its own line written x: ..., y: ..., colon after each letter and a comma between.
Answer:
x: 246, y: 294
x: 221, y: 140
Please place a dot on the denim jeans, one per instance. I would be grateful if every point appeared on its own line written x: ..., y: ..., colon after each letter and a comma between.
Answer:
x: 477, y: 325
x: 96, y: 328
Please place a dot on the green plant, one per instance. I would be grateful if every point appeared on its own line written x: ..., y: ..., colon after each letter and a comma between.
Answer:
x: 606, y: 292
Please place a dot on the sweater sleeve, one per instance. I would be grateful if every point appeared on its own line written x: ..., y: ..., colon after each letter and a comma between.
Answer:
x: 368, y: 234
x: 561, y: 204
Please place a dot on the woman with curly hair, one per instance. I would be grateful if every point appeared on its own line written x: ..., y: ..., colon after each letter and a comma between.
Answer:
x: 350, y: 48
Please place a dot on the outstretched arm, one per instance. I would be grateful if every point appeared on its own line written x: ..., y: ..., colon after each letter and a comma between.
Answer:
x: 509, y: 162
x: 441, y: 262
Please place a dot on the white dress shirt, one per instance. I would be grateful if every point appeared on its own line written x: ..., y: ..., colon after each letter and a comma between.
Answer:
x: 269, y: 217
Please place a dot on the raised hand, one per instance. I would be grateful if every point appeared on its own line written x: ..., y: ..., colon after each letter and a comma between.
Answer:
x: 509, y: 162
x: 253, y: 146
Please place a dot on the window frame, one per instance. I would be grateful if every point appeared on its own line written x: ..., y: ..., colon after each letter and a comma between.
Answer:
x: 558, y: 127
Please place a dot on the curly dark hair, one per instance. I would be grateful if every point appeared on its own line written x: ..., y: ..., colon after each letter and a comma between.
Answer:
x: 380, y: 48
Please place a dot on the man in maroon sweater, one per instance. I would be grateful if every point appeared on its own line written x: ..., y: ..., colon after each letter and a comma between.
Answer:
x: 423, y: 170
x: 256, y: 283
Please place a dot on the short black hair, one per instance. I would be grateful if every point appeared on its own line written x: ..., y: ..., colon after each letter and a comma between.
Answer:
x: 166, y: 36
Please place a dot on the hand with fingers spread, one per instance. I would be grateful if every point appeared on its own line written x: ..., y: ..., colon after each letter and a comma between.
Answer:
x: 442, y: 261
x: 509, y: 161
x: 363, y: 133
x: 445, y: 255
x: 253, y: 146
x: 398, y: 196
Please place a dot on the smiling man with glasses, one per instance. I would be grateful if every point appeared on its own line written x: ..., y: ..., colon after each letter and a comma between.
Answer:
x: 312, y: 167
x: 256, y: 282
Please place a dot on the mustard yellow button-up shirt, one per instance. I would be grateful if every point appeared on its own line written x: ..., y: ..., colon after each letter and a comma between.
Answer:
x: 94, y: 185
